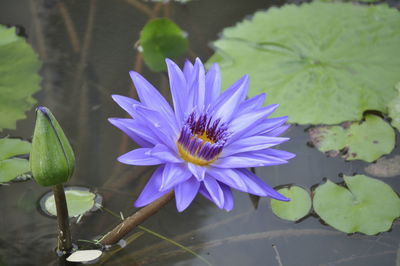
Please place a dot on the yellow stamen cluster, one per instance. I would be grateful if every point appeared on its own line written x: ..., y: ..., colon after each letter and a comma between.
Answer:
x: 193, y: 158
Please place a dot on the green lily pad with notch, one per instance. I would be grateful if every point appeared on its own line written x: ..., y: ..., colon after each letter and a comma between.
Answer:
x: 161, y: 38
x: 295, y: 209
x: 368, y: 206
x: 10, y: 166
x: 324, y: 63
x: 366, y: 141
x: 19, y: 77
x: 79, y: 201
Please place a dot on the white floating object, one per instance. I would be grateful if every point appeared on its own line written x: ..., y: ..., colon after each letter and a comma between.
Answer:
x: 84, y: 255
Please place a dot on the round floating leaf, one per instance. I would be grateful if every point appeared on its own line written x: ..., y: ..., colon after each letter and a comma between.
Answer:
x: 84, y: 255
x: 79, y: 201
x: 10, y: 167
x: 295, y: 209
x: 368, y: 205
x: 160, y: 39
x: 324, y: 63
x: 19, y: 77
x: 394, y: 109
x: 354, y: 141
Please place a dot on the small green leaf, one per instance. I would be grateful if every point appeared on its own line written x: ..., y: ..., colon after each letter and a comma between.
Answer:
x: 79, y: 201
x: 160, y: 39
x: 13, y: 147
x: 324, y: 63
x: 10, y: 167
x: 52, y: 159
x: 295, y: 209
x: 19, y: 79
x: 394, y: 109
x: 368, y: 205
x: 354, y: 141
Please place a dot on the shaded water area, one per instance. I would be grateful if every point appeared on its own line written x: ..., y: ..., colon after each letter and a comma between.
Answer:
x: 87, y: 48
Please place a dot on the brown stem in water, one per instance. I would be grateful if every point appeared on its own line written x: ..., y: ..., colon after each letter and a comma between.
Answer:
x: 64, y: 234
x: 135, y: 219
x: 69, y: 24
x: 140, y: 6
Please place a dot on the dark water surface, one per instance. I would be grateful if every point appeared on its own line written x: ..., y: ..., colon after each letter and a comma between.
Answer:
x: 87, y: 49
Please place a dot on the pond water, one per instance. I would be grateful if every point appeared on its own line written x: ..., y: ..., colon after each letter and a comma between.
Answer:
x: 87, y: 49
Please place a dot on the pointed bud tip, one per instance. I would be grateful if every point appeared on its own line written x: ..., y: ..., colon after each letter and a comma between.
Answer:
x: 42, y: 109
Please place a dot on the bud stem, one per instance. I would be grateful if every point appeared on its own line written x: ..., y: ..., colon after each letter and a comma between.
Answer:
x: 64, y: 234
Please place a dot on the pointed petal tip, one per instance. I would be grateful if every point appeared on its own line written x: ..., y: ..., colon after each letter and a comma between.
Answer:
x: 181, y: 207
x: 198, y: 61
x: 42, y: 109
x: 112, y: 120
x: 228, y: 209
x: 138, y: 204
x: 135, y: 75
x: 121, y: 158
x: 115, y: 96
x: 279, y: 197
x: 273, y: 106
x: 170, y: 63
x: 290, y: 156
x: 215, y: 65
x: 188, y: 62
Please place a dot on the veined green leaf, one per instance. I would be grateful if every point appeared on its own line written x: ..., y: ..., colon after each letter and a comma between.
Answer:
x: 324, y: 63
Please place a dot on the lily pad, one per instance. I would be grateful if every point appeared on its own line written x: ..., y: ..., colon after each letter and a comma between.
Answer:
x: 161, y: 38
x: 19, y: 77
x: 384, y: 167
x: 295, y: 209
x: 354, y: 141
x: 324, y: 63
x: 79, y: 201
x: 368, y: 206
x: 11, y: 167
x: 394, y: 109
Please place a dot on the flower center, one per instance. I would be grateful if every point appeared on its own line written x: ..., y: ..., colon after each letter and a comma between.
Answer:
x: 201, y: 140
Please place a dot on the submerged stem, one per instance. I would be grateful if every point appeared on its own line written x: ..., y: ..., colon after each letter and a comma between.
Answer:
x: 64, y: 234
x: 135, y: 219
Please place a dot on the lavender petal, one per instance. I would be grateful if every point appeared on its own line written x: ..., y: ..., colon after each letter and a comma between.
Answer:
x: 151, y: 191
x: 185, y: 193
x: 173, y: 175
x: 139, y: 156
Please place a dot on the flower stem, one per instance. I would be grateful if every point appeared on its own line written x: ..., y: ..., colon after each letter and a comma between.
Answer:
x: 135, y: 219
x: 64, y: 234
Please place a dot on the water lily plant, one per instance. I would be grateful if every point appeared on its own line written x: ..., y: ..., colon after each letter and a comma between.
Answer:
x: 207, y: 142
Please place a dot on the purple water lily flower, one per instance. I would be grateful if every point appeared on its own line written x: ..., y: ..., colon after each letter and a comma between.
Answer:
x: 206, y: 142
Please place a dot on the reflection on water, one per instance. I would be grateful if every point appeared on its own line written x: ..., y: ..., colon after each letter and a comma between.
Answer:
x: 87, y: 48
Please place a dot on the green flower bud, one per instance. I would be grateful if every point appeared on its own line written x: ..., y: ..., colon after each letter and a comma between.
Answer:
x: 52, y: 159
